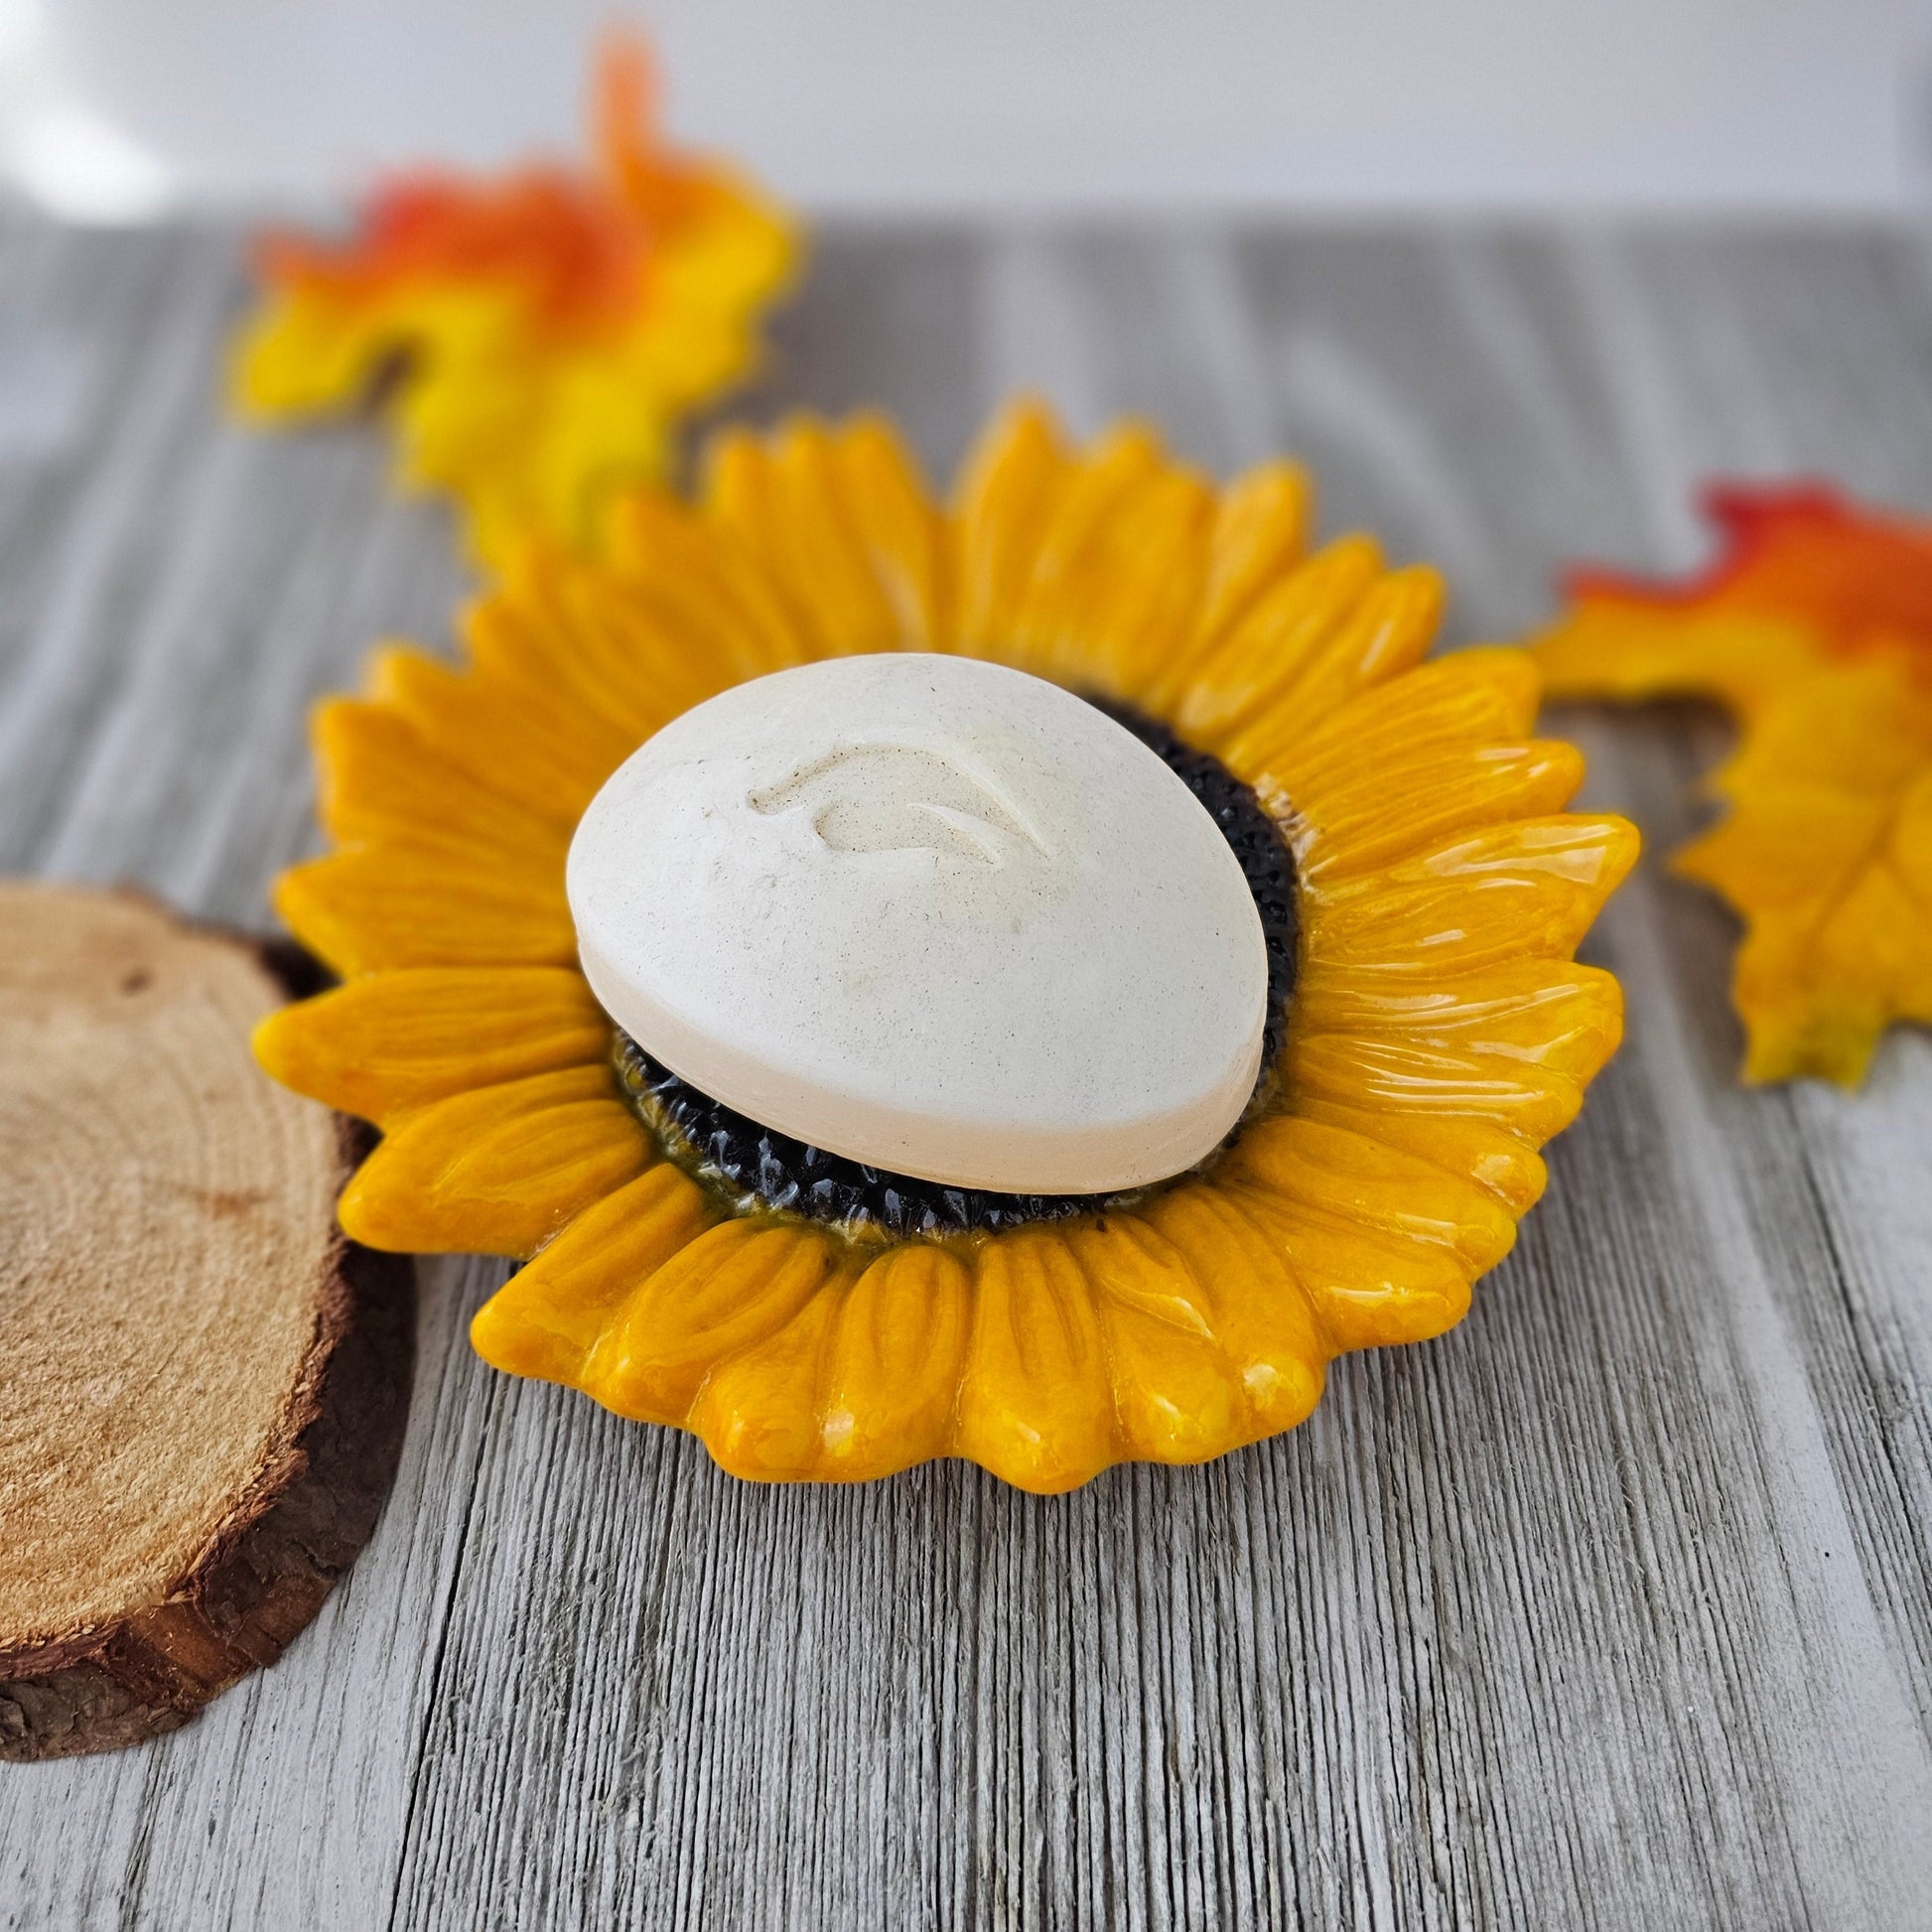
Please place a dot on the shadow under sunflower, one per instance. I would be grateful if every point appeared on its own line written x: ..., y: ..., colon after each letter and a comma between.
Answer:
x: 1438, y: 1033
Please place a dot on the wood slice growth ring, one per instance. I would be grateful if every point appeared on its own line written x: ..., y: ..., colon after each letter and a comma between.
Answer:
x: 203, y: 1384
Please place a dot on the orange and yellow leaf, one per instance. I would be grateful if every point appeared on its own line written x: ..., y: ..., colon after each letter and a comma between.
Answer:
x: 1815, y: 628
x: 534, y: 336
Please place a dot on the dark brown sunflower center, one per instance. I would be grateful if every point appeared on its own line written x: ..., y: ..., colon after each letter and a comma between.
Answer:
x: 756, y: 1166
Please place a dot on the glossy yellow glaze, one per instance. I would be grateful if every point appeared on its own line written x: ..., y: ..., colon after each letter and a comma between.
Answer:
x: 1439, y: 1030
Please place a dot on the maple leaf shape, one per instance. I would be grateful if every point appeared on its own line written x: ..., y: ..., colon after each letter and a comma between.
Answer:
x: 1814, y: 627
x: 535, y: 337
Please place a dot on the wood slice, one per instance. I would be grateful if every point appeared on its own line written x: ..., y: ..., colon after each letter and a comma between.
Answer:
x: 202, y: 1384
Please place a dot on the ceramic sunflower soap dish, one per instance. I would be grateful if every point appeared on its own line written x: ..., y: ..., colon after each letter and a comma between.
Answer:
x: 1030, y: 982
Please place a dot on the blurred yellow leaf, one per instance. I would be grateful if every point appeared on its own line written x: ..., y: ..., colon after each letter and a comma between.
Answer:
x: 1814, y: 628
x: 535, y: 337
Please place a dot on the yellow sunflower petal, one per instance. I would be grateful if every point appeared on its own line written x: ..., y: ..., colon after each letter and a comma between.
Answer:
x: 553, y: 629
x: 758, y: 1411
x: 412, y: 903
x: 735, y: 496
x: 1423, y: 1065
x: 1034, y: 1406
x: 1473, y: 1074
x: 1461, y: 1139
x: 1260, y: 533
x: 898, y: 529
x: 1475, y: 697
x: 545, y: 1319
x: 1368, y: 1289
x: 727, y: 1291
x: 826, y: 558
x: 1387, y: 633
x: 1422, y: 1081
x: 1366, y: 1184
x: 785, y: 504
x: 1176, y: 1397
x: 1531, y: 1011
x: 1006, y: 495
x: 1114, y: 501
x: 1394, y: 626
x: 1387, y: 812
x: 500, y: 1170
x: 1074, y: 537
x: 1285, y: 631
x: 891, y: 1371
x: 385, y: 1045
x: 379, y: 776
x: 536, y: 750
x: 708, y: 596
x: 1257, y: 535
x: 1260, y: 1316
x: 1529, y: 889
x: 1141, y: 591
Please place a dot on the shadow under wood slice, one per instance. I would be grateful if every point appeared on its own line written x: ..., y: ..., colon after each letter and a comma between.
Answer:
x: 202, y: 1386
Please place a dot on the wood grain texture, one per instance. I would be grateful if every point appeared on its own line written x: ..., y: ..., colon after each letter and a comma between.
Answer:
x: 201, y: 1383
x: 1612, y: 1608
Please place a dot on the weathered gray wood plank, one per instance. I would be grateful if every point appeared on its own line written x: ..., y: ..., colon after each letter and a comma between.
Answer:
x: 1612, y: 1608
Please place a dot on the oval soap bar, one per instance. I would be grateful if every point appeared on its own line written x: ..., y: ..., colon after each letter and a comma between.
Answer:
x: 937, y: 915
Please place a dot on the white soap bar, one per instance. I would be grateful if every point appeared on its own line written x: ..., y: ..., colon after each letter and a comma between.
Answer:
x: 937, y: 915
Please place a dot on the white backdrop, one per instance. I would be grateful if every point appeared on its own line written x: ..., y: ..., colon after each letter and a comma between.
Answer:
x: 955, y: 104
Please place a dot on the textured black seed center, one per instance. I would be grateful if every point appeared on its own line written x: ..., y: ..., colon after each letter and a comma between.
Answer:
x: 756, y: 1163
